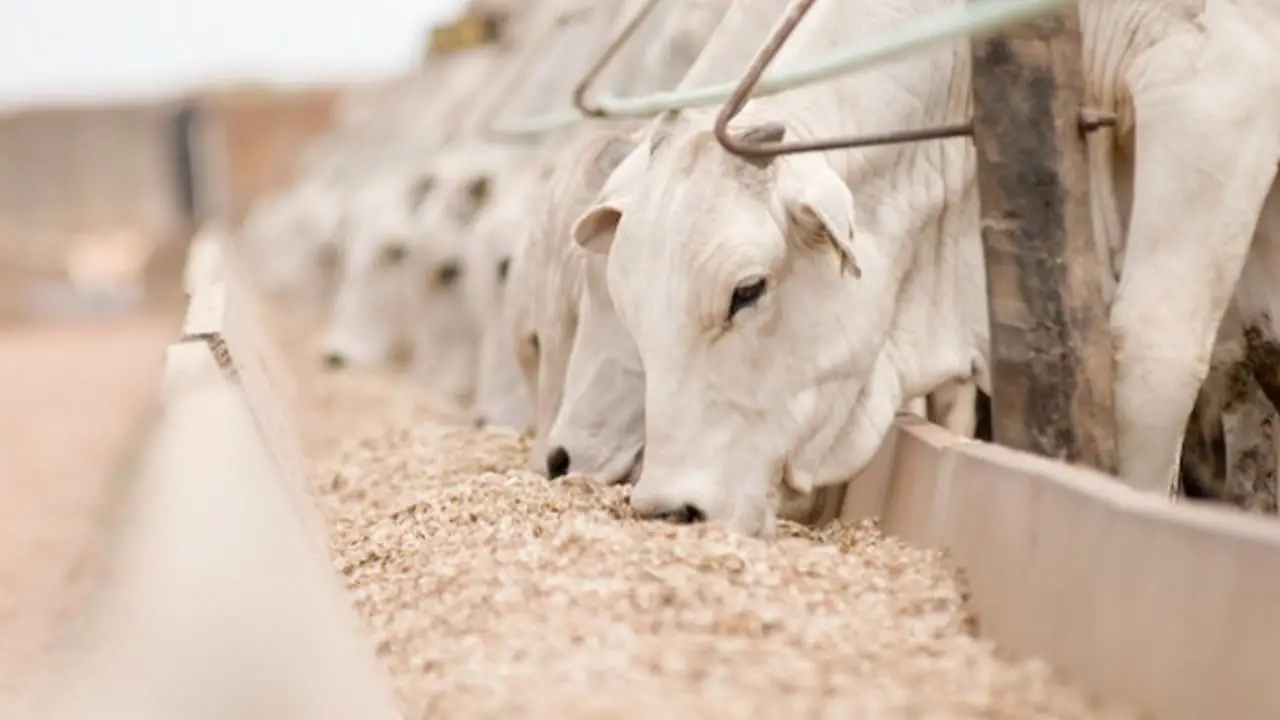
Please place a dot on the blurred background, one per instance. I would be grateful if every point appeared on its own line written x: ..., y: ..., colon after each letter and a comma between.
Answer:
x: 124, y: 126
x: 103, y: 107
x: 80, y: 50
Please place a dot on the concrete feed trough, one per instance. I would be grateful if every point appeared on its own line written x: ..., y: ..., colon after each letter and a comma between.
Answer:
x: 491, y: 592
x: 217, y: 599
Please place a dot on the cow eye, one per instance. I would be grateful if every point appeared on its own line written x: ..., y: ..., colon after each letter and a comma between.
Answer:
x: 394, y: 254
x: 747, y: 293
x: 504, y: 267
x: 449, y: 273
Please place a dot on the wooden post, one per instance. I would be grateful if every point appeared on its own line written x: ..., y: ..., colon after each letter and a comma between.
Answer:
x: 1051, y: 354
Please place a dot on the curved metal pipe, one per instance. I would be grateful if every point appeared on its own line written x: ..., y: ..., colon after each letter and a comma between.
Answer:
x: 973, y: 19
x: 751, y: 79
x: 590, y: 109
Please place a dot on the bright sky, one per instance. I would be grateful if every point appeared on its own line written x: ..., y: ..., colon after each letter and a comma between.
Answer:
x: 82, y: 49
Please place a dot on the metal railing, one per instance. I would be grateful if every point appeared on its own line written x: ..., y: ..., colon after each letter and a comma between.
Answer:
x: 749, y: 147
x: 970, y: 20
x: 611, y: 52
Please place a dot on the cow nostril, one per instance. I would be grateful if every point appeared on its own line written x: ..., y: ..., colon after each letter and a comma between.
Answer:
x: 334, y: 361
x: 685, y: 515
x: 557, y: 463
x: 480, y: 422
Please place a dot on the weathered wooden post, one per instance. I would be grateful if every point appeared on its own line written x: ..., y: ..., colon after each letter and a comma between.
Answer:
x: 1052, y: 363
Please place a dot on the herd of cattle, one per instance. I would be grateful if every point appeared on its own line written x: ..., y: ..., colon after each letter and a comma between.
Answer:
x: 735, y: 336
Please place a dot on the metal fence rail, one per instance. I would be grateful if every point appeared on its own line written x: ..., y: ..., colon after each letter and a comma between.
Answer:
x: 970, y: 20
x: 748, y: 147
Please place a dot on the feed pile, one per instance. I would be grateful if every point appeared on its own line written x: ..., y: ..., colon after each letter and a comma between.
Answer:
x: 492, y: 592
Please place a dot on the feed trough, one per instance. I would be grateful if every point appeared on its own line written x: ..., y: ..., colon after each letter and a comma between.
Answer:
x: 991, y: 582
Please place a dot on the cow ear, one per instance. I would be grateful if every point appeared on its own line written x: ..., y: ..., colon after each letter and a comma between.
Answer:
x: 595, y: 230
x: 820, y: 215
x: 816, y: 228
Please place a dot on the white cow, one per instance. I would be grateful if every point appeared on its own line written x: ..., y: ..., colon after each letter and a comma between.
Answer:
x: 401, y: 286
x: 590, y: 396
x: 293, y: 241
x: 421, y: 302
x: 597, y: 428
x: 784, y: 310
x: 546, y: 293
x: 574, y: 352
x: 368, y: 321
x: 502, y: 397
x: 298, y: 239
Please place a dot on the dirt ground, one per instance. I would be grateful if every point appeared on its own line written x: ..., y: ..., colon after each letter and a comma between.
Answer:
x: 71, y: 395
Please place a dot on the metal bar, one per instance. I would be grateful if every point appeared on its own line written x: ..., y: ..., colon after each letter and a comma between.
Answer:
x: 590, y: 109
x: 524, y: 128
x: 971, y: 20
x: 974, y: 20
x: 751, y: 79
x: 977, y: 19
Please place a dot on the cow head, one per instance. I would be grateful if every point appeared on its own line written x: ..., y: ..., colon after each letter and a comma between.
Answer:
x: 376, y: 275
x: 444, y: 331
x: 752, y: 303
x: 374, y: 289
x: 469, y: 179
x: 575, y: 355
x: 599, y: 429
x: 319, y: 236
x: 292, y: 244
x: 501, y: 396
